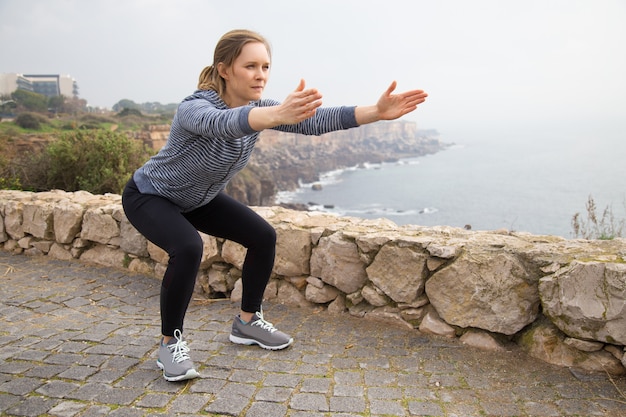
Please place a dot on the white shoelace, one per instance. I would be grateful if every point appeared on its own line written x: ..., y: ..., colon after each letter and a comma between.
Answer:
x: 262, y: 323
x: 179, y: 349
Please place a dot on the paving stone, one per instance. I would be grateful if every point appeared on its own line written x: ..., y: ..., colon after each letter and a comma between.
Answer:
x: 32, y: 407
x: 264, y: 409
x: 79, y: 373
x: 67, y: 409
x: 138, y: 378
x: 347, y: 404
x: 208, y: 385
x: 282, y: 380
x: 154, y: 400
x: 121, y: 396
x: 61, y: 356
x: 20, y: 386
x: 232, y: 406
x: 425, y: 409
x: 500, y: 408
x: 319, y: 385
x: 88, y: 391
x: 384, y: 407
x: 580, y: 406
x: 188, y: 403
x: 15, y: 367
x: 251, y: 377
x: 126, y: 412
x: 8, y: 400
x: 348, y: 377
x: 384, y: 393
x: 236, y: 390
x: 63, y: 359
x: 57, y: 389
x: 31, y: 355
x: 348, y: 391
x: 309, y: 402
x: 537, y: 409
x: 307, y: 414
x: 273, y: 394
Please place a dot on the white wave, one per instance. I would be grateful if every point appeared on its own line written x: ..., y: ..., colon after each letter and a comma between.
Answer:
x: 375, y: 210
x: 409, y: 161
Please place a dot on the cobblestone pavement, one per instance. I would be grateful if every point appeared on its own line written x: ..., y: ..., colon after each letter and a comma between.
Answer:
x: 80, y: 340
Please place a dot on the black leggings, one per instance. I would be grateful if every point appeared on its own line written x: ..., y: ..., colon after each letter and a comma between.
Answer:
x: 163, y: 223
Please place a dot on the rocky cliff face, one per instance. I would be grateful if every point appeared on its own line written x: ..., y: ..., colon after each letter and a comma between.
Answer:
x: 282, y: 160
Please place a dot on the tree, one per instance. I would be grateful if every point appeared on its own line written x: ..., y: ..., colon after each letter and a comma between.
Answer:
x: 56, y: 103
x: 125, y: 104
x: 75, y: 105
x: 30, y: 101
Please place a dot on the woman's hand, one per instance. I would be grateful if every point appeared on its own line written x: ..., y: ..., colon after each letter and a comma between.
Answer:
x: 299, y: 105
x: 390, y: 106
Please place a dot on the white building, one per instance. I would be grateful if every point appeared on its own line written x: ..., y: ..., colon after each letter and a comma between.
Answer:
x: 50, y: 85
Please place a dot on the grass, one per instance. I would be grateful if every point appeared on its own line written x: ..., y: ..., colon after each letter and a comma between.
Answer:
x: 601, y: 227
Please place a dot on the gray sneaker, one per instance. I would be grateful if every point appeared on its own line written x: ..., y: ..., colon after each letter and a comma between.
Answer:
x: 174, y: 359
x: 260, y: 332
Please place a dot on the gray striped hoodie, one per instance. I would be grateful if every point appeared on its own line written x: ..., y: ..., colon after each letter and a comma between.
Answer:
x: 209, y: 143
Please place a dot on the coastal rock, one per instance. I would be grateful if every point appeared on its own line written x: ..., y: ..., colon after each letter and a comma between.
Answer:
x: 481, y: 340
x: 400, y: 272
x: 544, y: 341
x: 293, y: 250
x: 104, y: 255
x: 13, y: 219
x: 67, y: 221
x: 587, y: 300
x: 336, y: 261
x: 99, y: 225
x: 485, y: 290
x: 433, y: 324
x: 322, y: 295
x: 38, y: 220
x: 132, y: 241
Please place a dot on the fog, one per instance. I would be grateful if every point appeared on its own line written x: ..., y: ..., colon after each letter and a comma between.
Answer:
x: 486, y: 64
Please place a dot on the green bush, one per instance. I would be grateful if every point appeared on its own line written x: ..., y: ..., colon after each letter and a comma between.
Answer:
x: 30, y: 121
x: 97, y: 161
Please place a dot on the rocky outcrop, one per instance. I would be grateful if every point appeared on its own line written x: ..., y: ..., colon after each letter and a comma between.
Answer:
x: 282, y: 160
x: 293, y: 158
x: 563, y: 301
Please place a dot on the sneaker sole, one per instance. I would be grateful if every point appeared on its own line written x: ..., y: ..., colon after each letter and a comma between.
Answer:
x: 242, y: 341
x: 191, y: 374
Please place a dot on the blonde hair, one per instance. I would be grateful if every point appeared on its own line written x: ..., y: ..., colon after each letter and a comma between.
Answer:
x: 227, y: 50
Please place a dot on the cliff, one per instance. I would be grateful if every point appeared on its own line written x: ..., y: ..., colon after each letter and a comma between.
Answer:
x: 281, y: 160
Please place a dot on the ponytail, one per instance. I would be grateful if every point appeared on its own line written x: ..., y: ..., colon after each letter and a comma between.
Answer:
x: 206, y: 79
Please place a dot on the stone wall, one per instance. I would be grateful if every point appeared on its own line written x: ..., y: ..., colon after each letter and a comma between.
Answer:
x: 563, y: 301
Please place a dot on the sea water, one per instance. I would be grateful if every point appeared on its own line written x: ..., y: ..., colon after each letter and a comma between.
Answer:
x: 533, y: 182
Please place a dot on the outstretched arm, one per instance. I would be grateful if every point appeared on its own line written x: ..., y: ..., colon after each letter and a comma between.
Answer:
x: 390, y: 106
x: 301, y: 104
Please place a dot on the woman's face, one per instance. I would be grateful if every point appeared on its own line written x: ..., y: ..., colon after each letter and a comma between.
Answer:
x: 247, y: 77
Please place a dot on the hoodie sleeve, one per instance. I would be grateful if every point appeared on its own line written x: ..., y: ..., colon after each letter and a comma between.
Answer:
x: 202, y: 117
x: 326, y: 119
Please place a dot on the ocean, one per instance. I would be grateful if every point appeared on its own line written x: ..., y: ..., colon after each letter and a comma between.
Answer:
x: 529, y: 182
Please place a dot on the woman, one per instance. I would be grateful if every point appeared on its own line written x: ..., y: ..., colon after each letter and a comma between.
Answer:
x: 179, y: 191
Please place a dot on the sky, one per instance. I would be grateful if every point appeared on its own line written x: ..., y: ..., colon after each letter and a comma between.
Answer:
x: 509, y: 64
